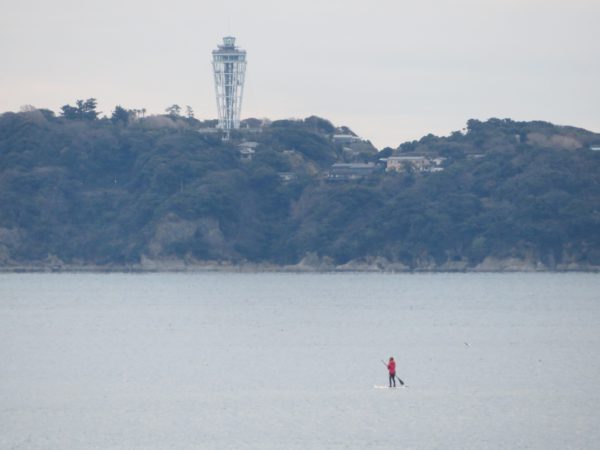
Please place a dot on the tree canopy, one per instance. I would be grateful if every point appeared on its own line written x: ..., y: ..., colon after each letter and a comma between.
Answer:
x: 113, y: 191
x: 83, y: 110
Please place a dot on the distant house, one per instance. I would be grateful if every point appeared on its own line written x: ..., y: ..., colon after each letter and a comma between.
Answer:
x: 350, y: 171
x: 208, y: 131
x: 417, y: 163
x: 402, y: 163
x: 246, y: 154
x: 286, y: 177
x: 246, y: 150
x: 350, y: 152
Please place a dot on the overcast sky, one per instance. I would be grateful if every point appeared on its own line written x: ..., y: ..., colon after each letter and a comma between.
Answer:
x: 390, y: 70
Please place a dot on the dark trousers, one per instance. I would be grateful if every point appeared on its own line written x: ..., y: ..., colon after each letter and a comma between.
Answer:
x: 392, y: 379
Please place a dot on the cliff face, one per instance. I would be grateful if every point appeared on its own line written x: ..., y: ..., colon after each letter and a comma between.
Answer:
x: 163, y: 193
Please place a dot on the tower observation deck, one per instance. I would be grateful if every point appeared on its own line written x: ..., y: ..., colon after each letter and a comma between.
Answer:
x: 229, y: 66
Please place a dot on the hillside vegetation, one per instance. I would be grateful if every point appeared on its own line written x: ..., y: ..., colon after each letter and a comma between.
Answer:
x: 121, y: 193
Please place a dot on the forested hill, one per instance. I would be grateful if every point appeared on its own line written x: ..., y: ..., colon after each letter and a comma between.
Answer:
x: 165, y: 191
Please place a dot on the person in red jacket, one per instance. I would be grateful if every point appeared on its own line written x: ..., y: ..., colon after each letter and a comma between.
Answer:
x: 392, y: 370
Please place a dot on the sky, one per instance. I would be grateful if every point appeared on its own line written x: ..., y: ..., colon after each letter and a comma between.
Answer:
x: 392, y: 71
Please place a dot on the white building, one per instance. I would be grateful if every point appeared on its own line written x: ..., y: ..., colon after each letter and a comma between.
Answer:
x: 246, y: 150
x: 418, y: 163
x: 346, y: 139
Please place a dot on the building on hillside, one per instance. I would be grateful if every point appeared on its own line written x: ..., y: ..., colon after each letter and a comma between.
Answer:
x: 418, y: 163
x: 345, y: 139
x: 286, y: 177
x: 402, y: 163
x: 247, y: 150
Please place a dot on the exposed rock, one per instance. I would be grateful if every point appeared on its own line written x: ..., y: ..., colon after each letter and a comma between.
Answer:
x: 492, y: 264
x: 357, y: 265
x: 53, y: 262
x: 313, y: 262
x: 372, y: 264
x: 454, y: 266
x: 162, y: 265
x: 173, y: 230
x: 211, y: 232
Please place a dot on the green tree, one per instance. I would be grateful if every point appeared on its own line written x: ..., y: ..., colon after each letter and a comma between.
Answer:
x: 121, y: 116
x: 173, y: 110
x: 69, y: 112
x: 83, y: 110
x: 87, y: 109
x: 189, y: 112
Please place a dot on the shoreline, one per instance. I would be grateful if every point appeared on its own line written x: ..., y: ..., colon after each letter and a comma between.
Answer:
x: 377, y: 265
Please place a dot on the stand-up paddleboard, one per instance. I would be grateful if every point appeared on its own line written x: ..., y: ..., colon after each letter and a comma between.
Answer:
x: 381, y: 386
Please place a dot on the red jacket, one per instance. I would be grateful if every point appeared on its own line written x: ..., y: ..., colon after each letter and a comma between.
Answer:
x: 392, y: 367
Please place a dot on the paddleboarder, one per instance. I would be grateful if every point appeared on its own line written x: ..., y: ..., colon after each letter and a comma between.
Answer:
x: 391, y: 365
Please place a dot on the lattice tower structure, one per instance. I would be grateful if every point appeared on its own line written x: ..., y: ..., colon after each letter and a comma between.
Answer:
x: 229, y: 66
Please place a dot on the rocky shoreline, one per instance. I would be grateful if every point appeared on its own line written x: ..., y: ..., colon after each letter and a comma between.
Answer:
x: 309, y: 264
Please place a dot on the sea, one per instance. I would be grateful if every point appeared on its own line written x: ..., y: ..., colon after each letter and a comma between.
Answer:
x: 291, y: 361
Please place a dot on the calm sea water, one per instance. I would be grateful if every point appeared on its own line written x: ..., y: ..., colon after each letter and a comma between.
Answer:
x: 289, y: 361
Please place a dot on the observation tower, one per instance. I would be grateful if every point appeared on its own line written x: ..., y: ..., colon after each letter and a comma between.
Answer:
x: 229, y: 66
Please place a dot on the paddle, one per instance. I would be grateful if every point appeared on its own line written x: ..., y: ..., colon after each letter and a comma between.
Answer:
x: 401, y: 382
